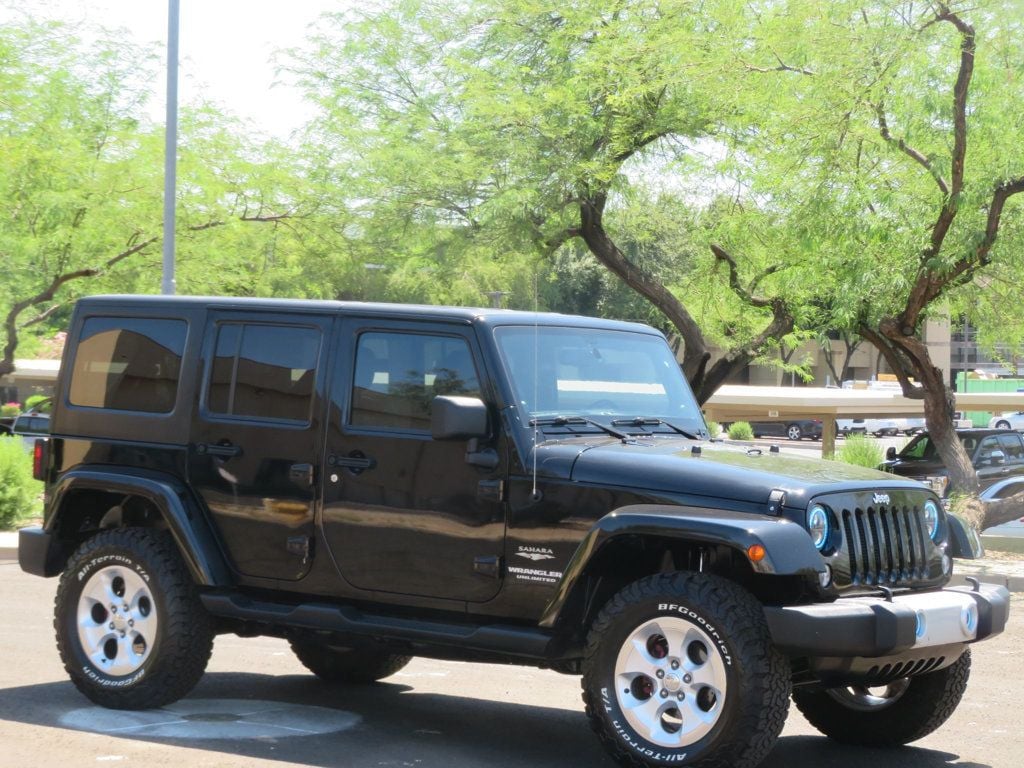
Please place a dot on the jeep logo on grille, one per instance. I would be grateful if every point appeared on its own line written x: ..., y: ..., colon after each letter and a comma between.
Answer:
x: 880, y: 498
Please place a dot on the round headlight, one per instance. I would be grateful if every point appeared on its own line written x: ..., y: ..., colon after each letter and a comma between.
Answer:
x: 931, y: 518
x: 817, y: 524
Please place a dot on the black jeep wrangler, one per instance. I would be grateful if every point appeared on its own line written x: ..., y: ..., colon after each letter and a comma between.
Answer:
x: 376, y: 482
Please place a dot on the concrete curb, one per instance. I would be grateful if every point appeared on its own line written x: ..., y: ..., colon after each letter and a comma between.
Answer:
x: 9, y: 545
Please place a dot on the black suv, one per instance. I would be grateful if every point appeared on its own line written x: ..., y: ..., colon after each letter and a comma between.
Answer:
x: 376, y: 482
x: 997, y: 456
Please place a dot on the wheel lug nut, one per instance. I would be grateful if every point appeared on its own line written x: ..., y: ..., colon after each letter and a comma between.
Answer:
x: 122, y: 633
x: 680, y: 696
x: 125, y: 606
x: 687, y: 678
x: 664, y: 693
x: 660, y: 673
x: 111, y: 625
x: 675, y: 664
x: 131, y: 623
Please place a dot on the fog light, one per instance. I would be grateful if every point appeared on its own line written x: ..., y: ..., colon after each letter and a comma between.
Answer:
x: 922, y: 624
x: 969, y: 619
x: 825, y: 578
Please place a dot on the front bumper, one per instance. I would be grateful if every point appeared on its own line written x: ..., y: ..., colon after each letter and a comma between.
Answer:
x: 873, y: 627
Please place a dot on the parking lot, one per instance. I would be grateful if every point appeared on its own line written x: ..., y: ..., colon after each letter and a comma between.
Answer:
x: 257, y: 707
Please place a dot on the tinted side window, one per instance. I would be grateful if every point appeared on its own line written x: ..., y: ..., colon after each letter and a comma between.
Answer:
x: 128, y: 364
x: 1013, y: 448
x: 263, y: 371
x: 397, y: 375
x: 988, y: 445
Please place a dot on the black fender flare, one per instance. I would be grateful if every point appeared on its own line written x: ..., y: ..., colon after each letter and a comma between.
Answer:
x: 788, y: 547
x: 190, y: 528
x: 964, y: 541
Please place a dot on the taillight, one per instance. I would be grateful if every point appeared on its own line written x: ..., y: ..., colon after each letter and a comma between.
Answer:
x: 39, y: 459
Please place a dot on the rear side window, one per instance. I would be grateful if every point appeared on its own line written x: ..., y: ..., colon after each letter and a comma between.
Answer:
x: 263, y: 372
x: 128, y: 364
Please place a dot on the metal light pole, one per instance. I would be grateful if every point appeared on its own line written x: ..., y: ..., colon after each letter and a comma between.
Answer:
x: 167, y: 286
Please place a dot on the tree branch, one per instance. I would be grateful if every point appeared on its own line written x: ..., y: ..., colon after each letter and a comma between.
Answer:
x: 885, y: 346
x: 919, y: 157
x: 734, y: 281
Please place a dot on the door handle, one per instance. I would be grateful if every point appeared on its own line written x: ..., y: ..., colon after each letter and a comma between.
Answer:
x: 301, y: 474
x: 355, y: 461
x: 227, y: 450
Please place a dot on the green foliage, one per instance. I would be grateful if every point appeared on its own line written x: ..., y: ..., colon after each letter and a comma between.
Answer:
x: 714, y: 428
x: 740, y: 430
x: 38, y: 403
x: 10, y: 409
x: 861, y: 450
x: 18, y: 489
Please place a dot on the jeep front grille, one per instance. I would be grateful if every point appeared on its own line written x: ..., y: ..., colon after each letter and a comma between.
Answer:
x: 885, y: 544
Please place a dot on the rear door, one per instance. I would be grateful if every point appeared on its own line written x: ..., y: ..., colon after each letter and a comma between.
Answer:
x: 254, y: 448
x: 404, y: 513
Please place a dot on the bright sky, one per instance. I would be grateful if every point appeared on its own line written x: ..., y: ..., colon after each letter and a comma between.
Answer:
x: 225, y: 47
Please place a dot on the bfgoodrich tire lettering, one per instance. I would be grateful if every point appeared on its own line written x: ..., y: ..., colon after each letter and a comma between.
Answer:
x: 898, y: 715
x: 130, y: 628
x: 680, y: 670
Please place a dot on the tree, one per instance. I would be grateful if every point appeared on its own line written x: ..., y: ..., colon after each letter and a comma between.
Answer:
x: 523, y: 128
x: 81, y: 183
x: 893, y: 142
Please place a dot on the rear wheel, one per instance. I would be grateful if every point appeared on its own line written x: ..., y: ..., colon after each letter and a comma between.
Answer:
x: 340, y: 664
x: 887, y: 715
x: 680, y: 670
x: 1002, y: 425
x: 130, y: 628
x: 793, y: 432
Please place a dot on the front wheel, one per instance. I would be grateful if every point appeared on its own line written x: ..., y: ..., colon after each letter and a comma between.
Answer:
x: 1002, y: 425
x: 131, y: 630
x: 888, y: 715
x: 680, y: 670
x: 793, y: 432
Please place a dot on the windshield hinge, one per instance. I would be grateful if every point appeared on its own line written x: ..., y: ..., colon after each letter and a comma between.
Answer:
x: 776, y: 501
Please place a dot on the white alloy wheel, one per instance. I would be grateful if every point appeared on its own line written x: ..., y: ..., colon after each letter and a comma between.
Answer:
x: 670, y: 682
x: 793, y: 432
x: 117, y: 620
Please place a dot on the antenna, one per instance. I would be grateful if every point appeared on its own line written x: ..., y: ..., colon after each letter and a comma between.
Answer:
x: 535, y: 494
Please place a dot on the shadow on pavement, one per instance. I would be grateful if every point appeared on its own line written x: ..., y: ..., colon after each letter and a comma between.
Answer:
x: 314, y: 724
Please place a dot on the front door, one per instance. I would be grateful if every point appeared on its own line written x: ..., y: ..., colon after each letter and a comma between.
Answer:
x: 255, y: 444
x: 404, y: 513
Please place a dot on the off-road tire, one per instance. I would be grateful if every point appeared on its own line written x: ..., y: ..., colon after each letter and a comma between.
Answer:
x: 178, y: 649
x: 338, y: 664
x: 926, y: 704
x: 756, y: 676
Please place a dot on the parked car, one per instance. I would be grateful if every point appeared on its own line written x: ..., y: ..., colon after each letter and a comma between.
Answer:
x: 911, y: 426
x: 28, y: 427
x: 794, y: 429
x: 997, y: 455
x: 1013, y: 420
x: 876, y: 427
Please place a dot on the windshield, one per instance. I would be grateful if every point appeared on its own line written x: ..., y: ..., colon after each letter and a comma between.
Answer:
x: 922, y: 448
x: 606, y: 375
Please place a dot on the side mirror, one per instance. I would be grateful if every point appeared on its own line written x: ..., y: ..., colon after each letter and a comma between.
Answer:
x: 890, y: 452
x: 455, y: 418
x: 997, y: 457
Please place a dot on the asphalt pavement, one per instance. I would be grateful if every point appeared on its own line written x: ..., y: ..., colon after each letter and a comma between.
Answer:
x: 256, y: 706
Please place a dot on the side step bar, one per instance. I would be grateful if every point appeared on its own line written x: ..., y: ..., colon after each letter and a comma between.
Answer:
x: 505, y: 639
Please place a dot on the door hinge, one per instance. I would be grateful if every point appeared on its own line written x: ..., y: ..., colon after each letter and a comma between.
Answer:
x: 299, y: 545
x: 490, y: 490
x: 487, y: 565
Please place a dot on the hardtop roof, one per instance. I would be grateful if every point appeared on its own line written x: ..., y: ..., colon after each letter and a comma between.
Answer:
x: 482, y: 315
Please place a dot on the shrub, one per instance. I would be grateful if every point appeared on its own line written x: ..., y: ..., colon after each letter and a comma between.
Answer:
x: 714, y: 428
x: 740, y: 430
x: 862, y: 451
x: 10, y: 409
x: 19, y: 491
x: 39, y: 403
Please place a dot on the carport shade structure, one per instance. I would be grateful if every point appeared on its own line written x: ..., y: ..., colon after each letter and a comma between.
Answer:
x: 734, y: 402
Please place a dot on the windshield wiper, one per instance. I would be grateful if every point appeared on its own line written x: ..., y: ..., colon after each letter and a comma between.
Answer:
x: 639, y: 421
x: 565, y: 421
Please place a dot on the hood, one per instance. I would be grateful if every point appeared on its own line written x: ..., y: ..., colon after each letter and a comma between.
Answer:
x: 720, y: 470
